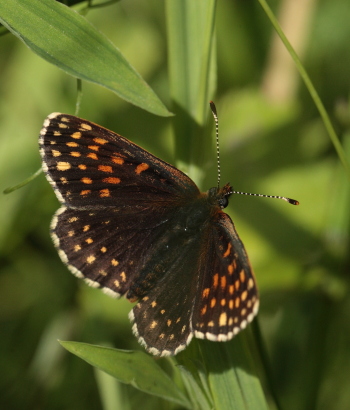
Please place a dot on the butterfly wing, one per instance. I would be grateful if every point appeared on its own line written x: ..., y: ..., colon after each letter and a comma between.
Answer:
x: 117, y: 200
x: 107, y: 249
x: 162, y: 319
x: 90, y: 166
x: 227, y: 298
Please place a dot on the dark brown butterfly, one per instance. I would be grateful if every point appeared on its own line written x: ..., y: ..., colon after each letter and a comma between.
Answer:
x: 135, y: 225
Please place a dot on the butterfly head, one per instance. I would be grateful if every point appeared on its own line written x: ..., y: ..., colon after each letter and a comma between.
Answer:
x: 219, y: 196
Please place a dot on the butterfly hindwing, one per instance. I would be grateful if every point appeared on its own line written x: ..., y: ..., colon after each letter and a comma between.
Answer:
x: 162, y: 319
x: 227, y: 298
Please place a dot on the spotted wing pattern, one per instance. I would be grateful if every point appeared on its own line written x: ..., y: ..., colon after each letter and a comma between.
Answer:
x: 134, y: 225
x: 227, y: 298
x: 90, y: 166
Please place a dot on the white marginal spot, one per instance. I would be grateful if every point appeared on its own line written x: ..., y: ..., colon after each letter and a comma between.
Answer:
x: 131, y: 316
x: 46, y: 123
x: 91, y: 283
x: 54, y: 220
x: 42, y: 133
x: 152, y: 350
x: 54, y: 186
x: 256, y: 308
x: 224, y: 338
x: 199, y: 335
x: 110, y: 292
x: 183, y: 346
x: 45, y: 168
x: 63, y: 256
x: 55, y: 239
x: 236, y: 330
x: 53, y: 115
x: 76, y: 272
x: 188, y: 340
x: 243, y: 324
x: 211, y: 336
x: 250, y: 317
x: 164, y: 353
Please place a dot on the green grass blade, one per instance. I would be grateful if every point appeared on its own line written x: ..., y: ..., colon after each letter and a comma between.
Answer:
x: 66, y: 39
x: 192, y: 76
x: 308, y: 83
x: 130, y: 367
x: 219, y: 369
x: 23, y: 183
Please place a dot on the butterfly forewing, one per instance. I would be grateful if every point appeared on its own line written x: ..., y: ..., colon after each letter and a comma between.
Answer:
x: 88, y: 165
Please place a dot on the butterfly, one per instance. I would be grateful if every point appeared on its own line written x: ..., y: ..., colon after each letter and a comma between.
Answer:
x: 136, y: 226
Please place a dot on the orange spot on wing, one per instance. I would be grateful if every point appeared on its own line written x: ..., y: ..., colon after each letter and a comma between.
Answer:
x: 215, y: 280
x: 105, y: 168
x: 117, y: 160
x: 92, y: 155
x: 104, y: 193
x: 141, y: 167
x: 223, y: 282
x: 85, y: 127
x: 228, y: 250
x: 100, y: 141
x: 244, y: 295
x: 111, y: 180
x: 86, y: 180
x: 206, y: 292
x: 94, y: 147
x: 63, y: 166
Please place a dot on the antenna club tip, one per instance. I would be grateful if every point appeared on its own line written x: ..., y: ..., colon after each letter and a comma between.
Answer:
x: 293, y: 202
x: 213, y: 107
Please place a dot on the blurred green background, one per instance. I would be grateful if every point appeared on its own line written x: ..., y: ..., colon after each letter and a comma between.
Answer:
x: 272, y: 142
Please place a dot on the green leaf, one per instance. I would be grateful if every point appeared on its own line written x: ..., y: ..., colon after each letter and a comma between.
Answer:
x: 66, y: 39
x: 130, y: 367
x: 225, y: 372
x: 232, y: 376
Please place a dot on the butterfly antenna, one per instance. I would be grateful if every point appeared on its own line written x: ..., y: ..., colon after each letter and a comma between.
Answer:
x: 289, y: 200
x: 215, y: 115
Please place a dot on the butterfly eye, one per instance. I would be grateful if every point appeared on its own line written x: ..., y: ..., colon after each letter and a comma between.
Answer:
x: 223, y: 202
